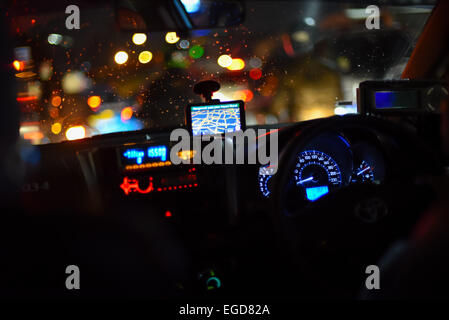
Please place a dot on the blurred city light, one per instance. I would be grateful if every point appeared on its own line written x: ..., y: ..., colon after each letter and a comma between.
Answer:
x: 126, y: 113
x: 184, y: 44
x: 121, y: 57
x: 196, y: 51
x: 139, y: 38
x: 244, y: 95
x: 74, y: 82
x: 56, y: 128
x: 301, y: 36
x: 255, y: 62
x: 18, y: 65
x: 45, y: 71
x: 309, y: 21
x: 56, y: 101
x: 145, y: 57
x: 33, y: 136
x: 237, y: 64
x: 94, y: 102
x: 54, y: 38
x: 255, y: 74
x: 224, y: 61
x: 75, y: 133
x: 171, y: 37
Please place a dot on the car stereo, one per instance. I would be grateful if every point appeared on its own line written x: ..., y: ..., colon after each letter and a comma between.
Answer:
x: 391, y: 97
x: 215, y: 117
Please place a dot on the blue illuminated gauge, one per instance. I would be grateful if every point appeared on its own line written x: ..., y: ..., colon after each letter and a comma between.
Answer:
x: 265, y: 175
x: 316, y: 174
x: 363, y: 173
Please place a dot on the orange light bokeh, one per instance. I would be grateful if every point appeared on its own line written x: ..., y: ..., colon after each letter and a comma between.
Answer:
x: 56, y: 101
x: 126, y: 113
x: 94, y: 102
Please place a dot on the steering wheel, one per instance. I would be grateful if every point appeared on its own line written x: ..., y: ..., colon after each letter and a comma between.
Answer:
x: 332, y: 240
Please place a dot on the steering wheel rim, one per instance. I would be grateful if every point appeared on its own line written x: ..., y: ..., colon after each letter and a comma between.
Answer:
x: 293, y: 230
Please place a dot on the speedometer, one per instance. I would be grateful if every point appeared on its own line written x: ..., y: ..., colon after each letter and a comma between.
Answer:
x: 316, y: 174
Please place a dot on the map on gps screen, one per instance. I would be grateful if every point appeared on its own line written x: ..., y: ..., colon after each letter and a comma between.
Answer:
x: 215, y: 119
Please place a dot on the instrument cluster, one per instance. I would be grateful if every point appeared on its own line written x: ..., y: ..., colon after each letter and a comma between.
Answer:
x: 331, y: 161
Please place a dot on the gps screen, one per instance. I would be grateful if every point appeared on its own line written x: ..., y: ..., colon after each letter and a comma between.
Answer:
x: 216, y: 118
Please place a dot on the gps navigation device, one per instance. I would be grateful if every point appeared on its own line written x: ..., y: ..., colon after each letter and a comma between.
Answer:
x: 215, y: 117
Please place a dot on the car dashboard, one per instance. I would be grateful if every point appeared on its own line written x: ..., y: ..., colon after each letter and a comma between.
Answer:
x: 222, y: 214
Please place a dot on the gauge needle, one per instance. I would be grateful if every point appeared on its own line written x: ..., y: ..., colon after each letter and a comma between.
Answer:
x: 305, y: 180
x: 362, y: 171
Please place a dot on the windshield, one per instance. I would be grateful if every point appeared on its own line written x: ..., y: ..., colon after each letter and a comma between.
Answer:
x: 289, y: 61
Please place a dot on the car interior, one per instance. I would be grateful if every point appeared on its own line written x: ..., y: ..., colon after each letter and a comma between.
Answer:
x: 352, y: 96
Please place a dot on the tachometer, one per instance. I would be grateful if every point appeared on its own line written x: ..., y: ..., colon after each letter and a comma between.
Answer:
x: 316, y: 173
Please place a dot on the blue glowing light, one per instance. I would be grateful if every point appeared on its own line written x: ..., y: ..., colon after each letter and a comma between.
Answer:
x: 191, y: 6
x: 142, y: 156
x: 115, y: 124
x: 316, y: 192
x: 134, y: 154
x: 396, y: 99
x: 384, y: 99
x: 158, y: 152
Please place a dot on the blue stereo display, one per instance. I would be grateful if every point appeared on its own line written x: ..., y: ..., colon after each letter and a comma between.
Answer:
x: 148, y: 155
x: 316, y: 192
x: 396, y: 99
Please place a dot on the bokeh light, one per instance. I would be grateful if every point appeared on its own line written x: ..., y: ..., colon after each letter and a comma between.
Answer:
x: 184, y: 44
x: 139, y: 38
x: 94, y: 102
x: 171, y: 37
x: 54, y: 38
x: 255, y: 73
x: 56, y: 128
x: 145, y: 57
x: 237, y: 64
x: 56, y: 101
x: 244, y: 95
x: 18, y: 65
x: 224, y: 61
x: 126, y: 113
x: 255, y: 62
x: 196, y: 52
x: 121, y: 57
x: 74, y: 82
x: 75, y: 133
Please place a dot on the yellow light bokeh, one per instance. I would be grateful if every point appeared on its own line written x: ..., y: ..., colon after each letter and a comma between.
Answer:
x: 224, y: 61
x: 171, y: 37
x: 106, y: 114
x: 56, y: 128
x: 94, y: 102
x: 186, y: 154
x: 121, y: 57
x: 75, y: 133
x: 139, y: 38
x: 18, y: 65
x: 145, y: 56
x: 237, y: 64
